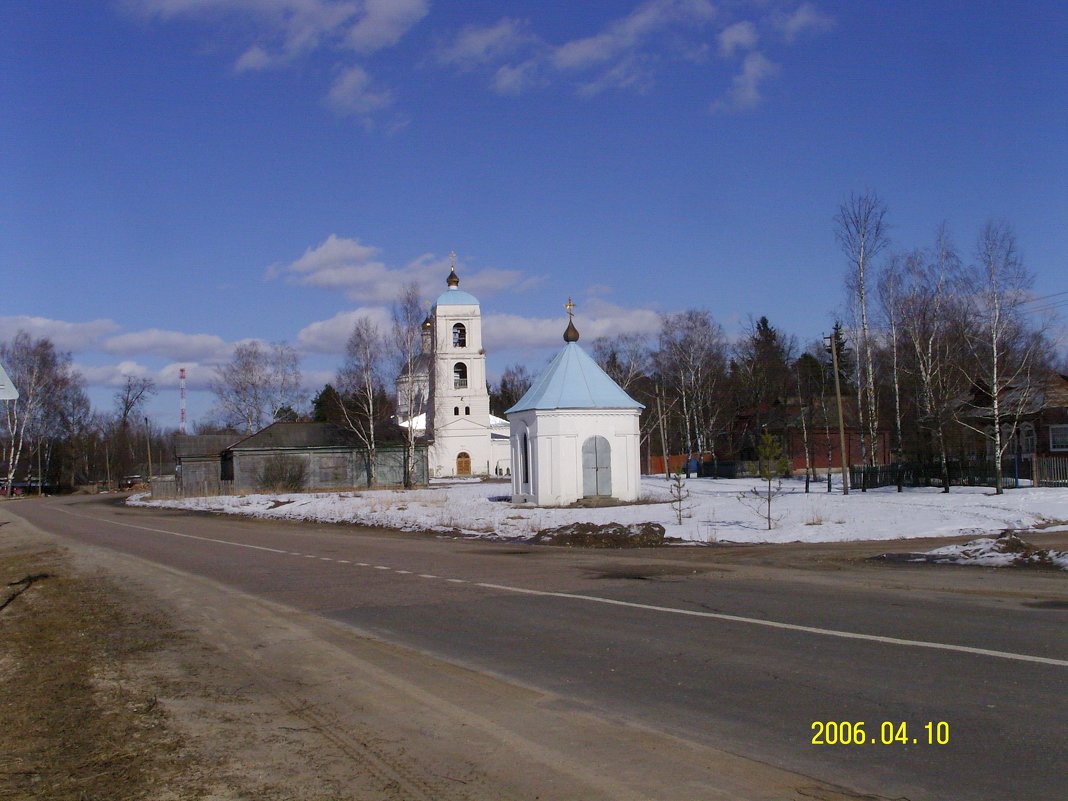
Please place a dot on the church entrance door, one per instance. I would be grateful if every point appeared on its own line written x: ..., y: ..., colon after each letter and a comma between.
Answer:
x: 596, y: 468
x: 463, y: 464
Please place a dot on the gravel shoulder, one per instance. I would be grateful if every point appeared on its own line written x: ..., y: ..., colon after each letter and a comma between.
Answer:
x: 125, y: 679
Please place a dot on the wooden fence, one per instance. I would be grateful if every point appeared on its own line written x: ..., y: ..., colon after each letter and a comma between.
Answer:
x: 164, y: 487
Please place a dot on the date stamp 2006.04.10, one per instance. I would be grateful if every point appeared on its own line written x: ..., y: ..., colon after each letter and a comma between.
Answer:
x: 889, y: 732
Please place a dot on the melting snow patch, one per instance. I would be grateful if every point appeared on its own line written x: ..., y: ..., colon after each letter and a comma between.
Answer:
x: 1008, y: 550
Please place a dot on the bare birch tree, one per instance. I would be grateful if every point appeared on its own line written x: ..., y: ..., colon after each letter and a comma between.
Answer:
x: 861, y: 232
x: 360, y: 389
x: 930, y: 324
x: 693, y: 358
x: 890, y: 299
x: 256, y: 384
x: 1006, y: 350
x: 42, y: 376
x: 624, y: 357
x: 407, y: 345
x: 129, y: 401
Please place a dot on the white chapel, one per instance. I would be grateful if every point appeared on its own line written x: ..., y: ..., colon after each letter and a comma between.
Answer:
x: 463, y: 438
x: 575, y: 433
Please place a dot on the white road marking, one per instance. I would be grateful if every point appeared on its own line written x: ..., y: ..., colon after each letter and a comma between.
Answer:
x: 848, y: 635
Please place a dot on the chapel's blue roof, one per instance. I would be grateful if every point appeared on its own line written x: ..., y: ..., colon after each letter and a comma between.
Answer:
x: 456, y: 297
x: 573, y: 380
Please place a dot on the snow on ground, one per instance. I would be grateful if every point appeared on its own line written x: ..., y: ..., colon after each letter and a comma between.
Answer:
x: 991, y: 552
x: 717, y: 510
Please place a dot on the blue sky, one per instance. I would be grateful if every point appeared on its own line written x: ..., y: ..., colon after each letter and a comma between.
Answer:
x: 181, y: 175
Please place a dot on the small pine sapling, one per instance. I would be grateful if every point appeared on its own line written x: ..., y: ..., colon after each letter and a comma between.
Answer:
x: 679, y: 494
x: 773, y: 466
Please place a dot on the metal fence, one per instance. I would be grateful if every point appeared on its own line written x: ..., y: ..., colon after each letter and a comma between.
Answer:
x: 1051, y: 471
x: 729, y: 468
x: 1047, y: 471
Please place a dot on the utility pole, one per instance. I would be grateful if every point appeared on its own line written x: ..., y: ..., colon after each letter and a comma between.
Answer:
x: 148, y: 448
x: 838, y: 396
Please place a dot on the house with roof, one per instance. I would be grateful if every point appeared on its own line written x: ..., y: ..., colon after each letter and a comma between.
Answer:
x: 317, y: 456
x: 198, y: 462
x: 1034, y: 414
x: 574, y: 434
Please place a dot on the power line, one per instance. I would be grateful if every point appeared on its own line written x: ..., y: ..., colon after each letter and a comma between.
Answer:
x: 1045, y: 297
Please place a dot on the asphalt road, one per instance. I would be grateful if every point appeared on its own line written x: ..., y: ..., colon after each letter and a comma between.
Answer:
x: 741, y: 649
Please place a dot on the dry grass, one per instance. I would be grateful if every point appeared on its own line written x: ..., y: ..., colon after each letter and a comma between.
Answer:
x: 75, y: 721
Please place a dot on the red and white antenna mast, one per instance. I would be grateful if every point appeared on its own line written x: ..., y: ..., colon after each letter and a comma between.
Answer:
x: 181, y: 400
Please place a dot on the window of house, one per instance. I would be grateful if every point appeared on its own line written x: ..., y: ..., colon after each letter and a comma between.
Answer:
x: 1028, y: 440
x: 1058, y: 438
x: 525, y: 457
x: 459, y: 336
x: 459, y: 375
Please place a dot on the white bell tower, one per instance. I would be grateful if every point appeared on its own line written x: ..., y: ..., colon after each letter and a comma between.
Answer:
x: 458, y: 418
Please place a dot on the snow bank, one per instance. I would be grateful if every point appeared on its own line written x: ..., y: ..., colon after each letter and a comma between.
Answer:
x: 717, y: 510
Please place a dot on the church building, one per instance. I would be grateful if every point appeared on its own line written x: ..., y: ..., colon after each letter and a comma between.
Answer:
x: 463, y: 438
x: 575, y: 433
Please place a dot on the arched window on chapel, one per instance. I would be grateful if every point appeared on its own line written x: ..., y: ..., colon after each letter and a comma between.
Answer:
x: 459, y: 376
x: 459, y: 336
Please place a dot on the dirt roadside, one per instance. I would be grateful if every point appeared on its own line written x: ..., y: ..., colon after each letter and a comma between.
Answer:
x: 122, y: 679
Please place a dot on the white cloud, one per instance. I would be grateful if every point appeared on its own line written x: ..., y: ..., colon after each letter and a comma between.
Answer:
x: 476, y: 45
x: 197, y: 376
x: 505, y: 331
x: 255, y: 58
x: 282, y: 31
x: 806, y: 18
x: 315, y: 380
x: 335, y: 251
x: 493, y: 280
x: 330, y: 336
x: 352, y: 94
x: 739, y: 36
x: 384, y: 22
x: 621, y: 55
x: 351, y: 266
x: 169, y: 344
x: 64, y: 335
x: 598, y: 318
x: 513, y: 80
x: 631, y: 73
x: 626, y: 34
x: 112, y: 375
x: 744, y: 93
